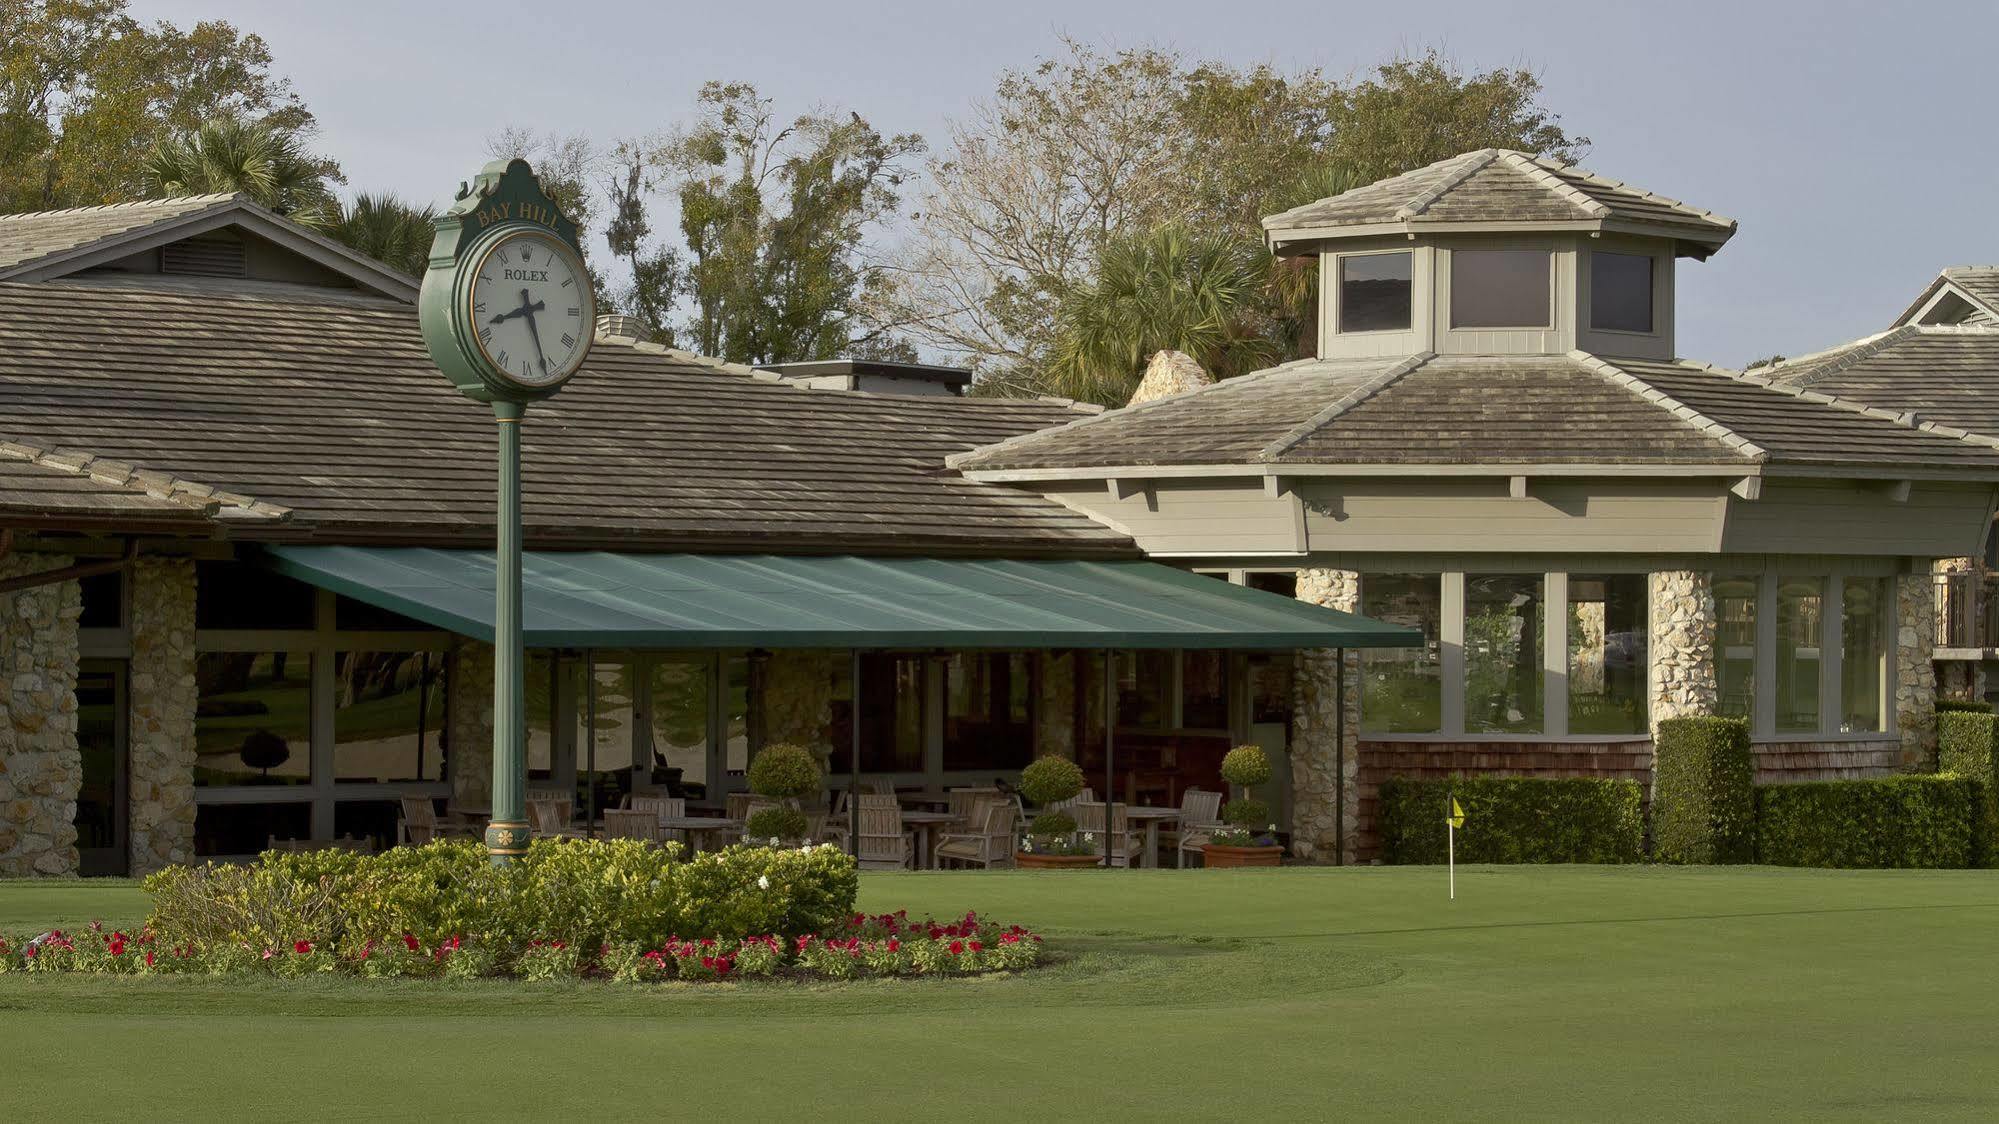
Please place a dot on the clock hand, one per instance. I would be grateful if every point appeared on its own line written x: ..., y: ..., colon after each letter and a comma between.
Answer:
x: 528, y: 310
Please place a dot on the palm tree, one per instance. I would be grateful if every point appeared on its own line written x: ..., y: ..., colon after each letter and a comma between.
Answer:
x: 227, y: 154
x: 385, y: 228
x: 1172, y: 289
x: 1294, y: 282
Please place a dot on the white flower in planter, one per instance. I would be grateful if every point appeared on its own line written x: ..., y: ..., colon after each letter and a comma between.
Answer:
x: 763, y: 881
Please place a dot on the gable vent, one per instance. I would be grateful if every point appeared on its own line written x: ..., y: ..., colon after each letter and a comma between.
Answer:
x: 205, y: 257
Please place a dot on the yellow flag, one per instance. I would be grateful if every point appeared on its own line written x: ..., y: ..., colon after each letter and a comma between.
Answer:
x: 1457, y: 813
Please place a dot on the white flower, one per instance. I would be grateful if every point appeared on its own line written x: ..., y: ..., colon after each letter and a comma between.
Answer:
x: 1272, y: 827
x: 773, y: 840
x: 1088, y: 836
x: 1027, y: 844
x: 763, y: 881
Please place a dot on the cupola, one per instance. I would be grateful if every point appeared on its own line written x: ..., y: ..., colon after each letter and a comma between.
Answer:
x: 1497, y: 252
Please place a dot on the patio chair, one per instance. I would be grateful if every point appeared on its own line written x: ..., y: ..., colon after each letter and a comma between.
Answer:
x: 419, y: 823
x: 632, y: 823
x: 663, y: 807
x: 884, y: 844
x: 989, y: 844
x: 551, y: 793
x: 962, y: 803
x: 549, y: 816
x: 1069, y: 806
x: 1200, y: 813
x: 1126, y: 847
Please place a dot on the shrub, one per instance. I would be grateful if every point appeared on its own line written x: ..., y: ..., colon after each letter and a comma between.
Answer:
x: 775, y: 823
x: 785, y: 772
x: 1968, y: 745
x: 1902, y: 821
x: 1246, y: 766
x: 1703, y: 792
x: 1974, y: 706
x: 1513, y: 820
x: 1251, y: 814
x: 1047, y: 780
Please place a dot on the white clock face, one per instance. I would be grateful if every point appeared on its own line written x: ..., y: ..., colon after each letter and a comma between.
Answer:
x: 532, y: 308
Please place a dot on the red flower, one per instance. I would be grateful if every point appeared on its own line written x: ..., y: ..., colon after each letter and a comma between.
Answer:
x: 302, y: 947
x: 977, y: 947
x: 558, y: 945
x: 708, y: 962
x: 409, y: 942
x: 149, y: 958
x: 894, y: 945
x: 957, y: 947
x: 116, y: 944
x: 936, y: 933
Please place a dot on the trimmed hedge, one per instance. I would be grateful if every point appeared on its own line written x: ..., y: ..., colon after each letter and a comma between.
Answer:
x: 1946, y: 706
x: 1968, y: 745
x: 1703, y: 792
x: 1901, y: 821
x: 1513, y: 820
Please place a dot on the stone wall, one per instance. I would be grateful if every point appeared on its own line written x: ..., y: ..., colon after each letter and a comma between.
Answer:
x: 161, y: 733
x: 468, y: 723
x: 1915, y: 673
x: 1323, y: 770
x: 1055, y: 708
x: 1681, y: 648
x: 40, y: 768
x: 798, y: 697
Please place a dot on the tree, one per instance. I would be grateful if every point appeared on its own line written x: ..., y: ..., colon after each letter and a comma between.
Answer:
x: 87, y: 92
x: 1417, y: 111
x: 656, y: 275
x: 230, y: 154
x: 563, y: 164
x: 1170, y: 289
x: 385, y: 228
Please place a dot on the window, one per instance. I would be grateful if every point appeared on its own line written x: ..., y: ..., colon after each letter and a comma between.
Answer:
x: 1863, y: 655
x: 1620, y: 292
x: 1504, y: 671
x: 1799, y: 654
x: 679, y: 725
x: 1204, y: 690
x: 1375, y: 292
x: 235, y: 595
x: 1735, y: 646
x: 539, y: 682
x: 388, y: 710
x: 246, y: 829
x: 1145, y: 690
x: 103, y: 601
x: 1607, y: 653
x: 1499, y: 288
x: 253, y: 718
x: 1281, y: 582
x: 891, y: 714
x: 611, y: 715
x: 988, y: 710
x: 1402, y: 688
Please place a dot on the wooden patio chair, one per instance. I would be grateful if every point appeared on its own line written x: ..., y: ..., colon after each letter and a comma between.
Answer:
x: 884, y: 844
x: 549, y: 817
x: 419, y: 824
x: 632, y: 823
x: 990, y: 843
x: 1126, y: 846
x: 962, y: 803
x: 1069, y: 806
x: 663, y: 807
x: 1200, y: 814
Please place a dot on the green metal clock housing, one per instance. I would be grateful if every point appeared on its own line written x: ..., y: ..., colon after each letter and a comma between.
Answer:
x: 506, y: 306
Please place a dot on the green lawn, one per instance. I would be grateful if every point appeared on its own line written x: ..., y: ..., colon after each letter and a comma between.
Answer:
x: 1542, y: 993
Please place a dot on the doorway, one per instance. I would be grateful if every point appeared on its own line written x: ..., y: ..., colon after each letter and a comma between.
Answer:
x: 102, y: 822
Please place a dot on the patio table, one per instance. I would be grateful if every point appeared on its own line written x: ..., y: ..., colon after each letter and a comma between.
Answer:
x: 698, y: 826
x: 924, y: 823
x: 1151, y: 818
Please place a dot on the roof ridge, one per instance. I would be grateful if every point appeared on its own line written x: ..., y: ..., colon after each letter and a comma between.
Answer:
x: 1341, y: 405
x: 1845, y: 354
x: 1471, y: 163
x: 1649, y: 196
x: 1533, y: 168
x: 204, y: 198
x: 1623, y: 378
x: 1908, y: 419
x: 159, y: 485
x: 1267, y: 221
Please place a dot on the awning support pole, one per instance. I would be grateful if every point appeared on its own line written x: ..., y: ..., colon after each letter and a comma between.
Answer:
x: 590, y: 742
x: 507, y: 832
x: 854, y: 756
x: 1340, y: 758
x: 1110, y: 746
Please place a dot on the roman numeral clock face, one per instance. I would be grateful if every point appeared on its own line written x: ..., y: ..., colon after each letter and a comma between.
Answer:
x: 532, y: 308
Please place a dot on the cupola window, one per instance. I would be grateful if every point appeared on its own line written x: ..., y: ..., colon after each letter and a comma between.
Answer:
x: 1500, y: 288
x: 1375, y: 292
x: 1620, y: 292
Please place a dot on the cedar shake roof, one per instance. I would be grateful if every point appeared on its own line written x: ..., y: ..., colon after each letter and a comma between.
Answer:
x: 326, y: 421
x: 1976, y: 285
x: 1574, y: 409
x: 36, y: 237
x: 1946, y: 377
x: 1499, y: 187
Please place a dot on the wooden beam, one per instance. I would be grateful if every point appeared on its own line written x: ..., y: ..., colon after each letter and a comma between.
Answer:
x: 1123, y: 489
x: 1898, y: 491
x: 1276, y: 487
x: 1516, y: 486
x: 1748, y: 488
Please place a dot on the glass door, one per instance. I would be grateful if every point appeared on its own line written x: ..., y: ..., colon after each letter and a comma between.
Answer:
x: 100, y: 737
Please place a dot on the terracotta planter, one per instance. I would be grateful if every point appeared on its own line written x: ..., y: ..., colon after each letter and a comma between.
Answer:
x: 1217, y: 855
x: 1030, y: 860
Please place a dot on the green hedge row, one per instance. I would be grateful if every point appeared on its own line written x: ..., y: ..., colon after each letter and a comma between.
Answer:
x: 1901, y: 821
x: 1968, y: 745
x: 1703, y: 792
x: 1513, y: 820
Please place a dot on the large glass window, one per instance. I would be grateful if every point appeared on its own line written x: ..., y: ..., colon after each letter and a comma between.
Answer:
x: 1401, y: 688
x: 1620, y: 292
x: 235, y: 595
x: 245, y: 829
x: 1504, y: 671
x: 736, y: 715
x: 1863, y: 654
x: 1735, y: 646
x: 1608, y: 629
x: 988, y: 715
x: 612, y: 746
x: 388, y: 711
x: 1800, y: 652
x: 540, y: 688
x: 1145, y: 690
x: 1499, y: 288
x: 253, y: 718
x: 1375, y: 292
x: 1204, y: 690
x: 680, y: 720
x: 891, y: 714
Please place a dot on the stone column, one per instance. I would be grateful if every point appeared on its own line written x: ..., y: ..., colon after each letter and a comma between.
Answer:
x: 1681, y: 648
x: 797, y: 698
x: 1915, y: 671
x: 468, y: 723
x: 163, y: 695
x: 1055, y: 705
x: 1323, y: 768
x: 40, y: 768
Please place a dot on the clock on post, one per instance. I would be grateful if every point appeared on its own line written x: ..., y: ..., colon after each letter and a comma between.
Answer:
x: 507, y: 312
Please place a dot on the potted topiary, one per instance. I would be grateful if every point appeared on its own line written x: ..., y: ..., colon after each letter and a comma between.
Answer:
x: 1250, y: 839
x: 785, y: 773
x: 1051, y: 843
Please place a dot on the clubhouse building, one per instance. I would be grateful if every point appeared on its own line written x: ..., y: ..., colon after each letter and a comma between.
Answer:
x: 1494, y: 525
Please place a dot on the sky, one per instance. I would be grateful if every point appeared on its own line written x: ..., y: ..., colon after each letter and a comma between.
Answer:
x: 1845, y: 138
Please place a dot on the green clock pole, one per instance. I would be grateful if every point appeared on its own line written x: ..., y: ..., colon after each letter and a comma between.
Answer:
x: 507, y: 833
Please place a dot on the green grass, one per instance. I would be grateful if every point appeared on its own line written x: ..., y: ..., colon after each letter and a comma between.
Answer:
x: 1542, y: 993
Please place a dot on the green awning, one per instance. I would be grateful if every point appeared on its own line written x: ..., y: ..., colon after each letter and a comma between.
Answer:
x: 609, y: 600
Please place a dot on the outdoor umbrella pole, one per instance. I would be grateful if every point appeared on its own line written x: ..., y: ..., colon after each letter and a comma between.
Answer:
x: 1110, y: 746
x: 854, y: 757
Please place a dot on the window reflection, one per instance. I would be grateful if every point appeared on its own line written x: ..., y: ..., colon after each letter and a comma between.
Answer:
x: 1735, y: 646
x: 1607, y: 653
x: 1863, y: 655
x: 1401, y: 688
x: 988, y: 710
x: 253, y: 718
x: 1504, y: 671
x: 1374, y: 292
x: 1799, y: 654
x: 388, y: 711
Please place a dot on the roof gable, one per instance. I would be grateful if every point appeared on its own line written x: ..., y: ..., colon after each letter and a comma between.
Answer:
x: 1962, y: 294
x: 1941, y: 377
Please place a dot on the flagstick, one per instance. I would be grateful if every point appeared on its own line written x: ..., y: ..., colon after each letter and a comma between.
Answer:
x: 1451, y: 848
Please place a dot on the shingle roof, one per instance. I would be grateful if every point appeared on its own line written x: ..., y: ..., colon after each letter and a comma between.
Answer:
x: 28, y: 487
x: 1498, y: 186
x: 333, y: 413
x: 1941, y: 374
x: 28, y: 239
x: 1575, y: 409
x: 1979, y: 284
